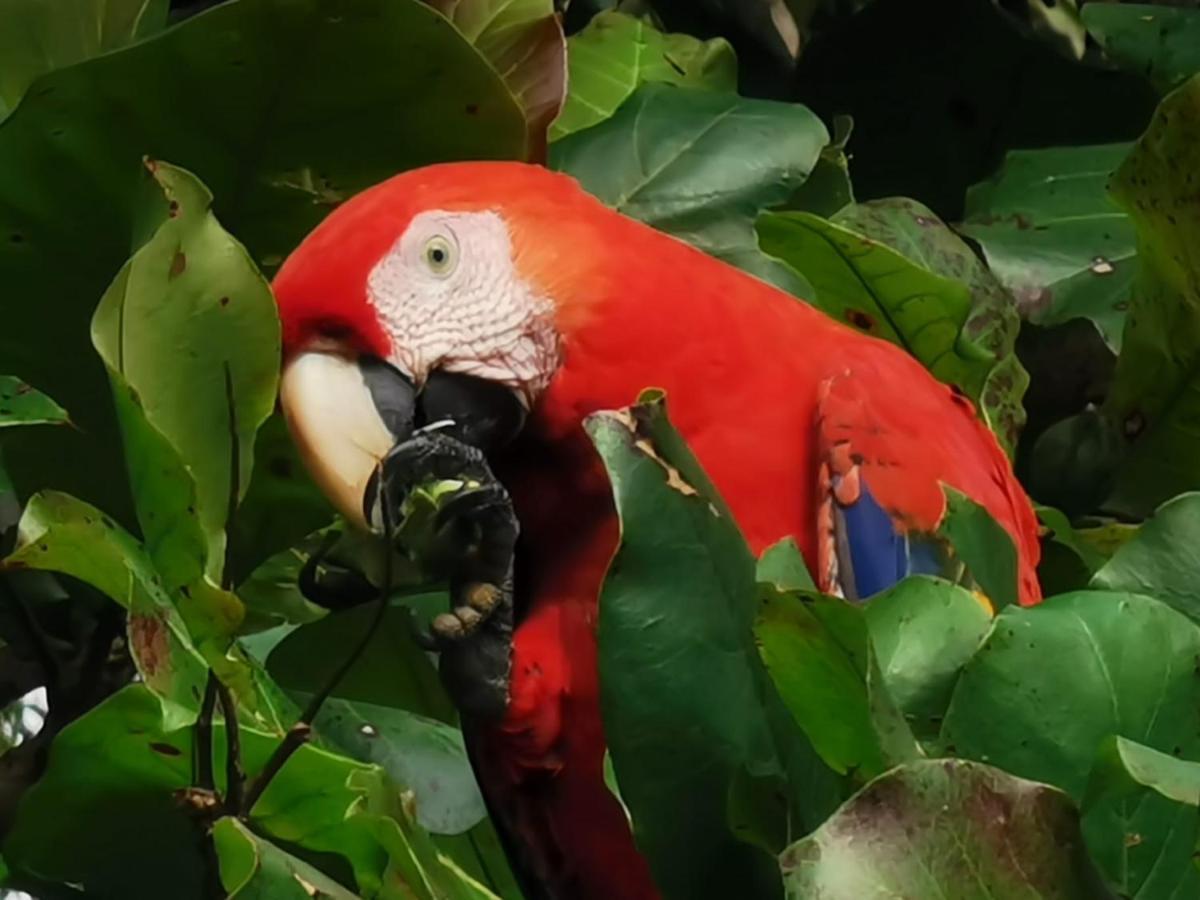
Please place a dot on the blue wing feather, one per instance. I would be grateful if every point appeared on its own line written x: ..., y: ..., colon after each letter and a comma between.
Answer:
x: 873, y: 554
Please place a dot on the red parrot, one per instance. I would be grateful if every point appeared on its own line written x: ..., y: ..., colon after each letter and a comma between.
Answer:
x: 512, y: 279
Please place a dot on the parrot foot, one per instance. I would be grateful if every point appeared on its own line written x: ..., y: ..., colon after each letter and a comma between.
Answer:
x: 476, y: 533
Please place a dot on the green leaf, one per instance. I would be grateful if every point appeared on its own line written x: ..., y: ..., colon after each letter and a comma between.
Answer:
x: 783, y: 565
x: 914, y: 231
x: 983, y: 545
x: 1155, y: 393
x: 1141, y: 820
x: 1053, y: 237
x: 392, y: 671
x: 869, y: 285
x: 1160, y: 43
x: 1125, y: 767
x: 1162, y: 560
x: 949, y: 829
x: 675, y: 158
x: 38, y: 37
x: 281, y: 127
x: 1053, y: 680
x: 827, y: 190
x: 682, y: 736
x: 255, y: 869
x: 617, y: 53
x: 820, y: 657
x: 924, y: 631
x: 189, y: 327
x: 523, y: 40
x: 111, y: 792
x: 1068, y: 561
x: 425, y: 755
x: 58, y: 533
x: 22, y: 404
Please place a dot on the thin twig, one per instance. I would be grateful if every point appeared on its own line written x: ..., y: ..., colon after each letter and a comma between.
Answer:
x: 235, y: 778
x: 299, y: 733
x: 204, y: 736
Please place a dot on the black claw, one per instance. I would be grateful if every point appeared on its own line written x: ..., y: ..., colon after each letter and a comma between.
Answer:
x: 330, y: 585
x: 476, y: 539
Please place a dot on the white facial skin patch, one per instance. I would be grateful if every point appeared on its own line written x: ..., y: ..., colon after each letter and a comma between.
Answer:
x: 450, y: 298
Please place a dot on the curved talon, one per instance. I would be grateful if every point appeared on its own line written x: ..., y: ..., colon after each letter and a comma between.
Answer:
x: 482, y: 596
x: 447, y: 626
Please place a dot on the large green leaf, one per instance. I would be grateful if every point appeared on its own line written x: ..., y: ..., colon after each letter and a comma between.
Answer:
x: 688, y: 737
x: 425, y: 755
x: 1155, y: 393
x: 22, y: 404
x: 524, y: 42
x: 1163, y: 559
x: 819, y: 654
x: 393, y: 671
x: 924, y: 631
x: 1053, y: 237
x: 58, y: 533
x: 1052, y: 682
x: 282, y: 107
x: 914, y: 231
x: 616, y: 53
x: 699, y: 165
x: 37, y: 37
x: 1162, y: 789
x: 189, y: 328
x: 1163, y: 44
x: 983, y: 546
x: 110, y: 793
x: 869, y: 285
x: 948, y: 829
x: 254, y: 869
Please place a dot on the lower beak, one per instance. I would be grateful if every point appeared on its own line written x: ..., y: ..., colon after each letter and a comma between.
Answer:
x: 345, y: 415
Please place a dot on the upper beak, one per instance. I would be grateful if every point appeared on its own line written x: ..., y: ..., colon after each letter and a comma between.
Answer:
x: 346, y: 414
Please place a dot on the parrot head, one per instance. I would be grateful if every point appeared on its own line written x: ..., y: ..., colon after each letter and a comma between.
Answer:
x: 436, y: 296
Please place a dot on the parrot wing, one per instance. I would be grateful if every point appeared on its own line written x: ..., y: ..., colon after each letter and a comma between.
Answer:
x: 880, y: 473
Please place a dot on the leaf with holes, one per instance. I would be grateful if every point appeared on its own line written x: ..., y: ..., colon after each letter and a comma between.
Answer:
x: 685, y: 736
x: 58, y: 533
x: 1054, y: 238
x: 699, y: 165
x: 1162, y: 559
x: 523, y: 40
x: 869, y: 285
x: 951, y: 829
x: 914, y: 231
x: 281, y: 126
x: 1155, y: 393
x: 111, y: 790
x: 924, y: 631
x: 255, y: 868
x: 190, y: 336
x: 819, y: 654
x: 1161, y: 43
x: 1128, y: 781
x: 1053, y: 681
x: 22, y: 404
x: 38, y: 37
x: 616, y: 53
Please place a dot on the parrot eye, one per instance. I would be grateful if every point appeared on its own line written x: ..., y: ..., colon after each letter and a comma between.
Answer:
x: 441, y: 255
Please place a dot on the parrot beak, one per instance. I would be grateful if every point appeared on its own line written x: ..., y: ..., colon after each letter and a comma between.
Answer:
x: 345, y: 414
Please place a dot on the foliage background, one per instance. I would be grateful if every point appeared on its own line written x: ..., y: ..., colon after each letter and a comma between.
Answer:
x: 1005, y: 189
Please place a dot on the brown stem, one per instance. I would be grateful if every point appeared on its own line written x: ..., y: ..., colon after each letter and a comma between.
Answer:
x: 299, y: 733
x: 204, y: 778
x: 235, y: 778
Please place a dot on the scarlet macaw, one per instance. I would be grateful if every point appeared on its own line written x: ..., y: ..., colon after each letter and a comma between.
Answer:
x: 509, y: 280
